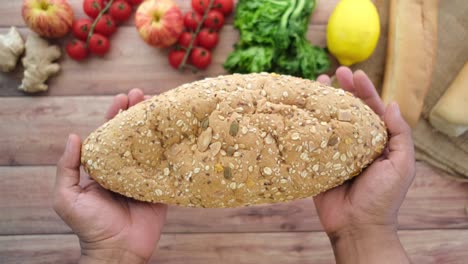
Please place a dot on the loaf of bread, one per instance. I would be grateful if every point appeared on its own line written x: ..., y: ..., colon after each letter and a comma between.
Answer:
x: 235, y: 140
x: 411, y: 55
x: 450, y: 114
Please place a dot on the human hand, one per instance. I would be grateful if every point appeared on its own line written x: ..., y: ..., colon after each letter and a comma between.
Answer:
x: 367, y: 206
x: 111, y: 228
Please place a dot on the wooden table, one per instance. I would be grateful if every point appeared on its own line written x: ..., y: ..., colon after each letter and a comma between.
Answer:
x: 33, y: 131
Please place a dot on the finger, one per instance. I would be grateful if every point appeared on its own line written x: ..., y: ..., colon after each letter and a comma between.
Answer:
x: 367, y: 92
x: 400, y: 132
x: 68, y: 167
x: 161, y: 211
x: 135, y: 96
x: 325, y: 79
x: 400, y: 145
x: 338, y: 192
x: 85, y: 180
x: 158, y: 212
x: 120, y: 103
x: 345, y: 78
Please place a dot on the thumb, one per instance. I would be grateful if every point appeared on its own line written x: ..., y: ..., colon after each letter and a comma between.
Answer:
x: 401, y: 148
x: 68, y: 167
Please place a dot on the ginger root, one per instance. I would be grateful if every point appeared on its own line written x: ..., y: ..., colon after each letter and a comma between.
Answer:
x: 38, y: 64
x: 11, y: 47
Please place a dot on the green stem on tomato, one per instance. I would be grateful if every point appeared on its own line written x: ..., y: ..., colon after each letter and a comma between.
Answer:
x: 190, y: 47
x: 191, y: 67
x: 102, y: 12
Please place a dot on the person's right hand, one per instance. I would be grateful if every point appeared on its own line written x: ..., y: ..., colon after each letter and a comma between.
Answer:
x: 366, y: 207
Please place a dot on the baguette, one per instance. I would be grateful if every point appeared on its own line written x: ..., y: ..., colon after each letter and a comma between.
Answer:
x: 411, y: 54
x: 450, y: 114
x: 235, y: 140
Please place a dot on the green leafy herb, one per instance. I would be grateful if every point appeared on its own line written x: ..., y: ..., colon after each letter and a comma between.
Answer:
x: 273, y: 39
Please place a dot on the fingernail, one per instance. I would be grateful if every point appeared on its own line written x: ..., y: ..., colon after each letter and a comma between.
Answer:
x: 343, y: 67
x: 360, y: 72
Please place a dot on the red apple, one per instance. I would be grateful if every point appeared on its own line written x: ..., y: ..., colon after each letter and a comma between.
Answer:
x: 48, y: 18
x: 159, y: 22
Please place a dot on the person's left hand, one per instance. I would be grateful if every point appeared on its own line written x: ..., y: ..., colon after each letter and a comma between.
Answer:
x: 110, y: 227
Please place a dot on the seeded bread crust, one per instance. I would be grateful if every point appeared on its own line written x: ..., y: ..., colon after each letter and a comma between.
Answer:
x: 235, y: 140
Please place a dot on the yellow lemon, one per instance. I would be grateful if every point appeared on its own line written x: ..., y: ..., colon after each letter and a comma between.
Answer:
x: 353, y: 31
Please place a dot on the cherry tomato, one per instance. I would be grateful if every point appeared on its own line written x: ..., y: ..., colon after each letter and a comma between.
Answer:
x: 191, y: 20
x: 93, y: 7
x: 200, y: 5
x: 225, y: 6
x: 208, y: 38
x: 176, y: 57
x: 77, y: 49
x: 105, y: 26
x: 134, y: 2
x: 214, y: 20
x: 120, y: 10
x: 200, y: 58
x: 185, y: 39
x: 81, y: 27
x: 99, y: 44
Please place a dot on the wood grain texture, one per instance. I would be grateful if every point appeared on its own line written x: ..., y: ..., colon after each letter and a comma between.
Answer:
x: 10, y: 13
x: 432, y: 202
x: 34, y: 130
x: 129, y: 64
x: 429, y: 247
x: 135, y: 64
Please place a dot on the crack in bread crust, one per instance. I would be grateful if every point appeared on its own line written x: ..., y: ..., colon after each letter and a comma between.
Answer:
x: 235, y: 140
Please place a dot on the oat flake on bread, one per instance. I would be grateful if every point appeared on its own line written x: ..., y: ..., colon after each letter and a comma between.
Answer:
x: 235, y: 140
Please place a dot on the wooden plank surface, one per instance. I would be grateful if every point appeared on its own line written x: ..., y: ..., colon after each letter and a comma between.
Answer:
x: 33, y: 131
x: 130, y: 63
x: 428, y: 247
x: 10, y: 13
x: 433, y: 202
